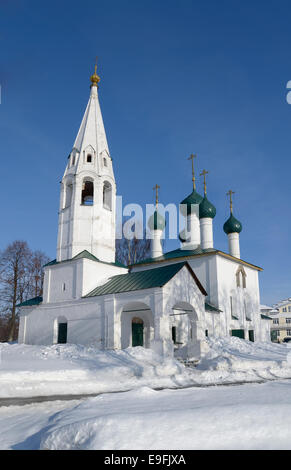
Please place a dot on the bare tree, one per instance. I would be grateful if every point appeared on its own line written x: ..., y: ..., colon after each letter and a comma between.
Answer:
x: 14, y: 262
x: 132, y: 251
x: 36, y: 274
x: 21, y: 277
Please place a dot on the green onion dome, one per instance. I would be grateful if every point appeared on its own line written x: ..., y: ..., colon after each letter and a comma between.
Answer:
x: 156, y: 222
x: 206, y: 209
x: 193, y: 198
x: 182, y: 236
x: 232, y: 225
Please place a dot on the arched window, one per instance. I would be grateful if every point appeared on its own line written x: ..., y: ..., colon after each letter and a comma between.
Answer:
x: 88, y: 193
x: 89, y: 158
x: 107, y: 195
x: 241, y: 278
x: 104, y: 161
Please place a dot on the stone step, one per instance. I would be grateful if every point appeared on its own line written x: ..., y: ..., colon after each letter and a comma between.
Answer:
x: 188, y: 363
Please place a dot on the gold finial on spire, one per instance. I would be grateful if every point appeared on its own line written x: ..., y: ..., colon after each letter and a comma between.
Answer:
x: 193, y: 172
x: 156, y: 188
x: 95, y: 79
x: 204, y: 173
x: 230, y: 193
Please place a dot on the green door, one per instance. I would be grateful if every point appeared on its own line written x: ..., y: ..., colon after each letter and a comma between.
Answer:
x: 251, y: 335
x: 62, y: 335
x: 137, y: 334
x: 274, y: 336
x: 238, y: 333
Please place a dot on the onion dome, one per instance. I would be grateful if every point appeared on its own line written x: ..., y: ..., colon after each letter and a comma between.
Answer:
x: 232, y: 225
x: 156, y: 221
x: 193, y: 198
x: 182, y: 236
x: 206, y: 209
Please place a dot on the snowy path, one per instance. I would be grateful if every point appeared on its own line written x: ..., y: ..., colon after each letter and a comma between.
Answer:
x: 251, y: 416
x: 22, y: 401
x: 65, y: 370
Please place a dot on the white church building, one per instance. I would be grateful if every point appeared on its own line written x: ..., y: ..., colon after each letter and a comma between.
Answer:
x: 170, y: 302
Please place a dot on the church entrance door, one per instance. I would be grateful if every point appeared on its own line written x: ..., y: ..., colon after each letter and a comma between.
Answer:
x: 137, y: 332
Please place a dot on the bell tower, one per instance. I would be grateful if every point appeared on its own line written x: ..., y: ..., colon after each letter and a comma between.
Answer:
x: 88, y: 190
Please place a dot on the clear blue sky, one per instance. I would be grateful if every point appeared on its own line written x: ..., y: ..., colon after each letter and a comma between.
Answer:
x: 178, y: 76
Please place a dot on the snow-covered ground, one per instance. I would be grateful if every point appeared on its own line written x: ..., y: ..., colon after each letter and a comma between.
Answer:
x: 29, y: 371
x: 252, y: 416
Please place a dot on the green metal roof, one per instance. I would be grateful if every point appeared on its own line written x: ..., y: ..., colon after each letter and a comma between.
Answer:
x: 180, y: 253
x: 87, y: 255
x: 147, y: 279
x: 265, y: 317
x: 30, y: 302
x: 211, y: 308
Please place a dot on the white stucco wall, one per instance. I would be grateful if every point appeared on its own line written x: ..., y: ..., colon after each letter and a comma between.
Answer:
x: 106, y: 321
x: 84, y: 317
x: 76, y: 278
x: 217, y: 274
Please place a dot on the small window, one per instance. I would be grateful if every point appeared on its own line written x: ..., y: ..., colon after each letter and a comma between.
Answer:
x: 285, y: 309
x: 276, y: 321
x: 174, y: 334
x: 89, y: 158
x: 206, y: 333
x: 289, y: 309
x: 64, y: 287
x: 288, y: 320
x: 105, y: 161
x: 241, y: 278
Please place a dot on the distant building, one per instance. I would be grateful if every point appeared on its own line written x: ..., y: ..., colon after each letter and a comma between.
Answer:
x: 281, y: 315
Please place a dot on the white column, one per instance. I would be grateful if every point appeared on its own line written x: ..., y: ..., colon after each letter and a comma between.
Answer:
x: 112, y: 325
x: 193, y: 230
x: 233, y: 244
x: 162, y: 342
x: 206, y: 233
x: 156, y: 244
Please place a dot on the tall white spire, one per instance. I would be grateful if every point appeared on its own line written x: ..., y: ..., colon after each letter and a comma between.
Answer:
x: 92, y: 130
x: 87, y: 202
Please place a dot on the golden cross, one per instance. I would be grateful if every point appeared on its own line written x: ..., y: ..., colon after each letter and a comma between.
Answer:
x: 230, y: 193
x: 156, y: 188
x: 204, y: 173
x: 192, y: 156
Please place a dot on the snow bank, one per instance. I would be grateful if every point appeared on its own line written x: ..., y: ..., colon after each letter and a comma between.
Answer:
x: 27, y: 371
x: 244, y: 417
